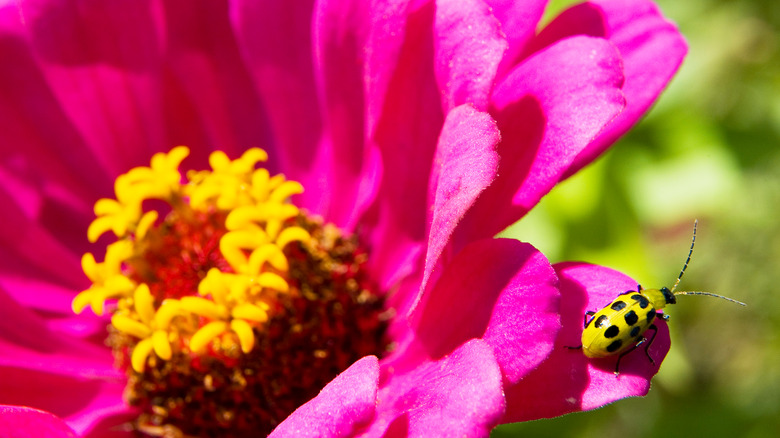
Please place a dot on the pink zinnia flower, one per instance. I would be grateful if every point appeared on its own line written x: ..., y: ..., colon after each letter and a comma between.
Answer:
x: 423, y: 128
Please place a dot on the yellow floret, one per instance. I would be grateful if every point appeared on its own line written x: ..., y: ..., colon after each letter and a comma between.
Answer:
x: 152, y: 326
x: 122, y: 215
x: 257, y: 213
x: 201, y: 339
x: 228, y: 185
x: 107, y: 279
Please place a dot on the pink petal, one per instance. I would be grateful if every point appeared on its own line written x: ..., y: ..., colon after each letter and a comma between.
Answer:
x: 341, y: 31
x: 70, y: 377
x: 22, y: 422
x: 457, y: 395
x: 568, y: 381
x: 518, y: 22
x: 385, y: 36
x: 469, y: 44
x: 466, y: 163
x: 28, y: 248
x: 18, y: 278
x: 651, y: 47
x: 94, y: 67
x: 549, y: 108
x: 406, y: 135
x: 210, y: 98
x: 82, y: 403
x: 284, y: 76
x: 343, y: 406
x: 28, y: 344
x: 501, y: 290
x: 40, y: 143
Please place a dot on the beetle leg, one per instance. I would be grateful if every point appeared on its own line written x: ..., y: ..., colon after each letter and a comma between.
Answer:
x: 585, y: 320
x: 641, y: 341
x: 647, y: 348
x: 617, y: 364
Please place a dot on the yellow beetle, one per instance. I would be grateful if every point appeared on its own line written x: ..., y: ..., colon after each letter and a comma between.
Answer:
x: 620, y: 327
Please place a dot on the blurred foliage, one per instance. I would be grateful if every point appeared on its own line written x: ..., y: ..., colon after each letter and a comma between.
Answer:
x: 707, y: 150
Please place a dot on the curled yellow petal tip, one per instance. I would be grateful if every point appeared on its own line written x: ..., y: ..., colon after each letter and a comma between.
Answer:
x: 162, y: 347
x: 273, y: 281
x: 250, y: 312
x: 292, y: 234
x: 285, y: 190
x: 203, y: 307
x: 168, y: 310
x: 268, y: 253
x: 144, y: 303
x: 201, y: 339
x: 130, y: 326
x: 141, y: 352
x: 146, y: 222
x: 246, y: 337
x: 81, y: 301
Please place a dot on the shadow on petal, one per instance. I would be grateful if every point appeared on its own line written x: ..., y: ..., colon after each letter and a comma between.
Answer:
x: 568, y: 381
x: 501, y: 290
x: 457, y: 395
x: 22, y: 422
x: 345, y: 404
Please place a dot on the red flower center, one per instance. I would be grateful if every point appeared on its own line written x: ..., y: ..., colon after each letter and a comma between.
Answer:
x: 236, y: 307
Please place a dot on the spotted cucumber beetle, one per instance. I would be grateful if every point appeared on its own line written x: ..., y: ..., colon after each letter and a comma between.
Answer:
x: 619, y: 328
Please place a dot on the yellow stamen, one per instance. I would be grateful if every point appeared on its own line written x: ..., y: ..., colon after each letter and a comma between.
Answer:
x: 144, y: 303
x: 213, y: 284
x: 116, y: 253
x: 228, y: 184
x: 146, y: 222
x: 285, y: 190
x: 244, y: 216
x: 81, y: 301
x: 260, y: 189
x: 233, y: 244
x: 160, y: 181
x: 250, y: 312
x: 113, y: 216
x: 168, y: 310
x: 203, y: 307
x: 292, y: 234
x: 107, y: 279
x: 272, y: 281
x: 238, y: 285
x: 268, y: 253
x: 272, y: 228
x: 257, y: 215
x: 141, y: 352
x: 162, y: 347
x: 246, y: 337
x: 130, y: 326
x: 115, y: 286
x: 201, y: 339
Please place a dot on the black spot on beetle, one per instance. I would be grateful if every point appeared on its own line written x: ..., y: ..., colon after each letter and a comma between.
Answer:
x: 631, y: 318
x: 602, y: 321
x: 618, y: 305
x: 612, y: 331
x: 651, y: 315
x: 643, y: 302
x: 615, y: 346
x: 635, y: 331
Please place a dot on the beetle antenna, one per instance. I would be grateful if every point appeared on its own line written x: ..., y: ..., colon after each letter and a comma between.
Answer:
x: 688, y: 260
x: 710, y: 295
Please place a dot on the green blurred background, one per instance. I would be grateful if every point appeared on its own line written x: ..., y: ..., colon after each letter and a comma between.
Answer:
x: 707, y: 150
